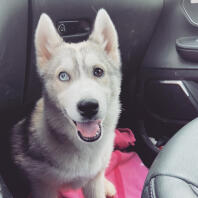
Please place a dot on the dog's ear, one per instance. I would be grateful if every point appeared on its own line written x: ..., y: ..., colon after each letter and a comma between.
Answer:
x: 104, y: 33
x: 46, y: 40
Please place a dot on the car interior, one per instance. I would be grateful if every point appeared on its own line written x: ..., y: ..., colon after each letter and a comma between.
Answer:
x: 159, y: 50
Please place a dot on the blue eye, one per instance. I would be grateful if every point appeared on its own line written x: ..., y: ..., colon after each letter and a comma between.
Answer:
x: 64, y: 76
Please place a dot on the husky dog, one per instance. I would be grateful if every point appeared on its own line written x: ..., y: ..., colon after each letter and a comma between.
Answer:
x: 67, y: 140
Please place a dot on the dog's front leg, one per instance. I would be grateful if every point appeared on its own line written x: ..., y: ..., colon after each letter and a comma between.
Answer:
x: 40, y: 190
x: 99, y: 187
x: 96, y: 187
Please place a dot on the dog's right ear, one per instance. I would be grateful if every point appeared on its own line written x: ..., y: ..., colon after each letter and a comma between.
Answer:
x: 46, y: 40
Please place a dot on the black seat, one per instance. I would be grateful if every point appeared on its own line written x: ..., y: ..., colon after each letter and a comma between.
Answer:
x: 4, y: 192
x: 174, y: 173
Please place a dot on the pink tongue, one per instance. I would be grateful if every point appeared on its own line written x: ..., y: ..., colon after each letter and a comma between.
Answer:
x: 88, y: 129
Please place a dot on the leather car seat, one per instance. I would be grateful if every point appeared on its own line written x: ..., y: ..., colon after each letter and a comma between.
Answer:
x: 174, y: 172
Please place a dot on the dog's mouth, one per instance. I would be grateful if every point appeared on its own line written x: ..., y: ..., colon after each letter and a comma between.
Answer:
x: 89, y: 131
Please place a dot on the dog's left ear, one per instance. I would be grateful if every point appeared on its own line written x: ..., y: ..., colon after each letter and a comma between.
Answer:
x: 104, y: 33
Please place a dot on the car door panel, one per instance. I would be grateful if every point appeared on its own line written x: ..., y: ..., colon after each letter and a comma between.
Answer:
x: 13, y: 42
x: 168, y: 81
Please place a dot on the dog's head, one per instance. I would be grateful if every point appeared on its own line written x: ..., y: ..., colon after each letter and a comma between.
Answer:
x: 82, y: 79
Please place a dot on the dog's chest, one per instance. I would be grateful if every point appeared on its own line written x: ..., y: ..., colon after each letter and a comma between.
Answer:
x: 76, y: 170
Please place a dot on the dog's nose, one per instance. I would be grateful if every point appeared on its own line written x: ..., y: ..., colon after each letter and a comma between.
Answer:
x: 88, y: 108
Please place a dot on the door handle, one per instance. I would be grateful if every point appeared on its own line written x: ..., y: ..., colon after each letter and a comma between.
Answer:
x: 73, y: 28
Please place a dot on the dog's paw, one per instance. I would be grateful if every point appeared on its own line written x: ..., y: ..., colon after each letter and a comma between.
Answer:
x: 110, y: 190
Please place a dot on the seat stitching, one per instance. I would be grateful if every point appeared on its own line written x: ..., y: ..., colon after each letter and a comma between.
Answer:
x: 152, y: 188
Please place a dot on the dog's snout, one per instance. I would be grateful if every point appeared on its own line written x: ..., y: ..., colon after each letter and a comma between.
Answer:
x: 88, y: 108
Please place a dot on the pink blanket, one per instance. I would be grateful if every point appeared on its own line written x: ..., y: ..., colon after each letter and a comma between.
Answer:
x: 126, y: 171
